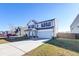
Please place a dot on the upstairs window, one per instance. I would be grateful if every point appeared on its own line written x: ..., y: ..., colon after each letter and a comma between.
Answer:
x: 31, y: 26
x: 43, y: 24
x: 46, y: 24
x: 28, y: 26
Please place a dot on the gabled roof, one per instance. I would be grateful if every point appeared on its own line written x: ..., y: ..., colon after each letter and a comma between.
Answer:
x: 47, y: 20
x: 39, y: 22
x: 32, y: 21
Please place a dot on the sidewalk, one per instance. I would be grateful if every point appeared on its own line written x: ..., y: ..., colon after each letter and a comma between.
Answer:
x: 19, y: 48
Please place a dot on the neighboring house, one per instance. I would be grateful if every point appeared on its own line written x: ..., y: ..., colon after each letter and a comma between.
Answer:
x: 75, y: 25
x: 3, y: 34
x: 43, y: 29
x: 20, y: 31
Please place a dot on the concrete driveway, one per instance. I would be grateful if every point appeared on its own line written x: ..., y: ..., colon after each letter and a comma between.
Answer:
x: 19, y: 48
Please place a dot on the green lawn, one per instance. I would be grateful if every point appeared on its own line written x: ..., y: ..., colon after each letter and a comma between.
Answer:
x: 58, y: 47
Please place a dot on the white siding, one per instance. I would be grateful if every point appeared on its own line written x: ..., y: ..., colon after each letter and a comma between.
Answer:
x: 75, y: 25
x: 75, y: 29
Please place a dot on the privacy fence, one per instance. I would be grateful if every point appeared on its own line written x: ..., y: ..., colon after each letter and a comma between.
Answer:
x: 68, y: 35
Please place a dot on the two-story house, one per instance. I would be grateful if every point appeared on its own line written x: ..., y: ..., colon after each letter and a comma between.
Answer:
x: 43, y: 29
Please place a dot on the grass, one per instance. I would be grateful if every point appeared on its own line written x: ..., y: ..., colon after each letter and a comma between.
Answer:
x: 70, y: 44
x: 3, y: 41
x: 58, y: 47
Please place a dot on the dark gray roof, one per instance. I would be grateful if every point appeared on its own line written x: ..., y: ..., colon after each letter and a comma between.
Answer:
x: 41, y: 21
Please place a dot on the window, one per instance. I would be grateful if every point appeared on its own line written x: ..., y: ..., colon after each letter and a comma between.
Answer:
x: 48, y: 23
x: 31, y: 26
x: 43, y: 24
x: 28, y: 26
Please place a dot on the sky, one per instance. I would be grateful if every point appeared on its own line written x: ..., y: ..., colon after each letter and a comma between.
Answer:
x: 19, y: 14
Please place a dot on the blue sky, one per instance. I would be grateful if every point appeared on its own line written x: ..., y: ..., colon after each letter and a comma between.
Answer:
x: 20, y: 14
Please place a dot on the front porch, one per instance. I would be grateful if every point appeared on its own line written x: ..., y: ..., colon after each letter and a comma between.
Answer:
x: 32, y: 33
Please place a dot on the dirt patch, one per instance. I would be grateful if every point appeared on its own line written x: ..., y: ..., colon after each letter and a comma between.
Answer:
x: 3, y: 41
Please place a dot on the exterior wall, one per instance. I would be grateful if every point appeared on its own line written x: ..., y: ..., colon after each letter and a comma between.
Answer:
x: 75, y: 30
x: 75, y: 25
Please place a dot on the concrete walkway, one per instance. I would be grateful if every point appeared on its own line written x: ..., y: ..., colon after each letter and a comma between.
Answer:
x: 19, y: 48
